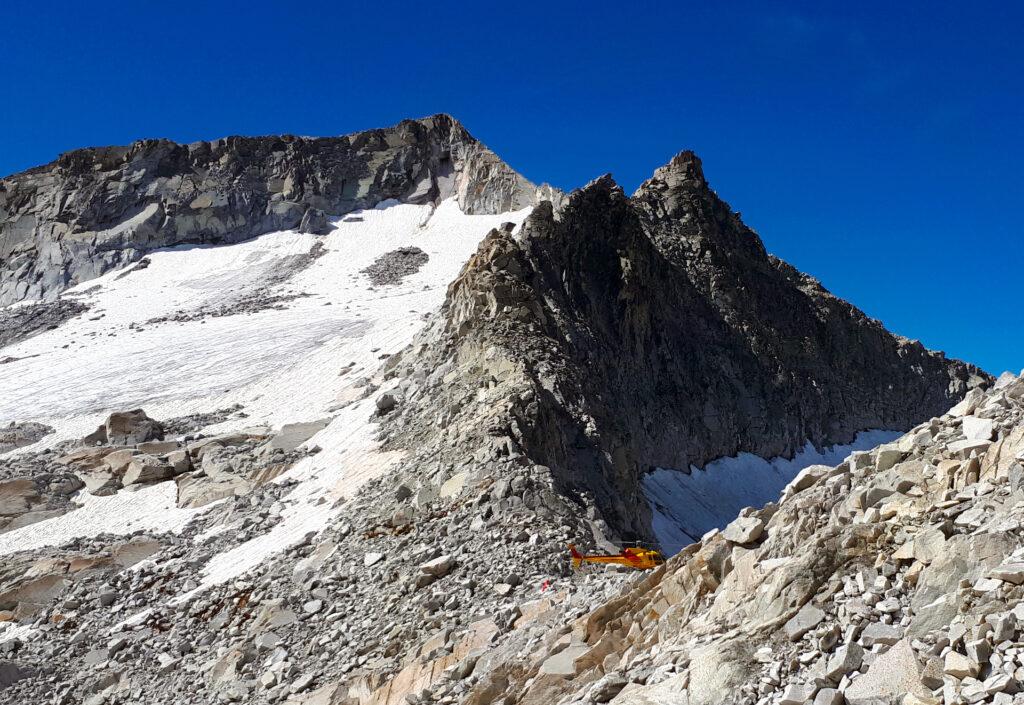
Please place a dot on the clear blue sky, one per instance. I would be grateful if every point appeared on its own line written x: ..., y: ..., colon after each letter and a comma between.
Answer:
x: 877, y: 147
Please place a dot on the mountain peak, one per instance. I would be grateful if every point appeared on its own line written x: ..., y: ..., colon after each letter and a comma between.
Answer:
x: 685, y: 164
x: 684, y: 172
x: 228, y: 190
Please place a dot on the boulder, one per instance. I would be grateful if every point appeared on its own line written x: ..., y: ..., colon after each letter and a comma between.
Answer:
x: 439, y: 567
x: 17, y: 496
x: 453, y: 486
x: 125, y: 428
x: 977, y: 429
x: 180, y: 461
x: 959, y: 666
x: 145, y: 469
x: 314, y: 222
x: 803, y: 621
x: 134, y: 551
x: 564, y: 662
x: 11, y: 673
x: 880, y: 633
x: 847, y: 658
x: 891, y: 675
x: 798, y: 694
x: 157, y: 447
x: 292, y: 435
x: 969, y: 446
x: 1009, y: 572
x: 196, y: 491
x: 807, y: 477
x: 101, y: 482
x: 386, y: 402
x: 929, y: 544
x: 968, y: 404
x: 743, y: 530
x: 887, y: 457
x: 716, y: 672
x: 86, y: 458
x: 118, y: 461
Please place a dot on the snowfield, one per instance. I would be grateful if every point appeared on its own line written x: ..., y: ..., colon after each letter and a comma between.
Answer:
x: 281, y: 365
x: 301, y: 362
x: 686, y: 505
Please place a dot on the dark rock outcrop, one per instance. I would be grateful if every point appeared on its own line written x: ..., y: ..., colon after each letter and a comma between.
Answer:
x: 655, y: 331
x: 18, y: 435
x: 126, y: 428
x: 22, y: 322
x: 96, y: 209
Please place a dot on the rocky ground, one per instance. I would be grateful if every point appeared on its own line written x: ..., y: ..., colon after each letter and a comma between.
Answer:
x: 608, y: 335
x: 20, y: 322
x: 897, y: 576
x: 411, y: 581
x: 33, y: 487
x: 392, y: 267
x: 18, y: 435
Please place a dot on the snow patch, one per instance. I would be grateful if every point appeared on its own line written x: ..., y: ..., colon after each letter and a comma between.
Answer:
x: 152, y: 508
x: 685, y: 506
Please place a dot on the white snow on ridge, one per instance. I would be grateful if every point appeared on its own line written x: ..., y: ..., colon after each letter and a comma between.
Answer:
x: 282, y: 366
x: 685, y: 506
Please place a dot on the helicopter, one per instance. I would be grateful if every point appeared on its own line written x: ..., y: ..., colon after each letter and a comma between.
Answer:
x: 636, y: 557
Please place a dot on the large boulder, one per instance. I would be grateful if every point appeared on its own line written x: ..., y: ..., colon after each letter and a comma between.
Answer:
x: 130, y: 427
x: 11, y: 673
x: 146, y: 469
x: 892, y: 675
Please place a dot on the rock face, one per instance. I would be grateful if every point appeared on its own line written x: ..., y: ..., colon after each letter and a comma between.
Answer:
x: 97, y: 209
x: 618, y: 334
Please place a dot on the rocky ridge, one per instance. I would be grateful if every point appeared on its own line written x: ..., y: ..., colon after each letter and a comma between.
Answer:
x: 616, y: 335
x: 96, y: 209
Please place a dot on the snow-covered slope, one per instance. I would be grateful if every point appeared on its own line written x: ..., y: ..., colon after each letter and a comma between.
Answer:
x: 281, y: 365
x: 300, y: 362
x: 686, y: 505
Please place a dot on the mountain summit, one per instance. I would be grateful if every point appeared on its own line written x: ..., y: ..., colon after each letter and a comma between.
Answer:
x: 312, y: 421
